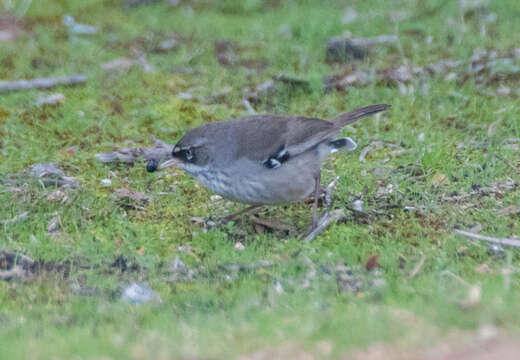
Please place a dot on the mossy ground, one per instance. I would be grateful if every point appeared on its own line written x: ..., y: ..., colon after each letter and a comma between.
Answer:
x: 218, y: 313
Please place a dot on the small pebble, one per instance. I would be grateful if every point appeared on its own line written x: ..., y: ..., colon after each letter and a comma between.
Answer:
x: 358, y: 205
x: 138, y: 293
x: 278, y: 288
x: 496, y: 250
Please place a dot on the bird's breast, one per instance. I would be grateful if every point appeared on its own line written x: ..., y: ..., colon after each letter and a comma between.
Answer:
x: 251, y: 182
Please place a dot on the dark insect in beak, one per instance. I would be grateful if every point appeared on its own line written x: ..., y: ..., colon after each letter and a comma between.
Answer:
x: 152, y: 165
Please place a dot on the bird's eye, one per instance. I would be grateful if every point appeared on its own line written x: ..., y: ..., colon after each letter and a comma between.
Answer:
x: 184, y: 154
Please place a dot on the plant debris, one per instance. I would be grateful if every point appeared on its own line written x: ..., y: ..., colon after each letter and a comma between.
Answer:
x: 14, y: 265
x: 500, y: 241
x: 261, y: 223
x: 51, y: 100
x: 228, y: 55
x: 178, y: 271
x: 269, y: 91
x: 160, y: 152
x: 42, y: 83
x: 461, y: 292
x: 372, y: 262
x: 357, y: 281
x: 340, y: 50
x: 47, y: 174
x: 132, y: 199
x: 78, y: 29
x: 328, y: 218
x: 487, y: 68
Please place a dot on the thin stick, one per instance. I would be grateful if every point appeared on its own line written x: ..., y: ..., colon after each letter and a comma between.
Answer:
x: 417, y: 267
x: 273, y: 224
x: 41, y: 83
x: 316, y: 197
x: 377, y: 40
x: 228, y: 218
x: 324, y: 222
x: 502, y: 241
x: 161, y: 151
x: 248, y: 106
x: 15, y: 272
x: 328, y: 192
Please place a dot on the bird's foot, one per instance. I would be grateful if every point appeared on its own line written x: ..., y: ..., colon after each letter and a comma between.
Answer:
x: 328, y: 218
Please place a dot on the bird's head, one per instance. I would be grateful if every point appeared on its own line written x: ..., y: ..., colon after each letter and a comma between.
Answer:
x: 191, y: 151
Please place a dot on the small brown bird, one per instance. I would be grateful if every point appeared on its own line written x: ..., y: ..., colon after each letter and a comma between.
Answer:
x: 264, y: 159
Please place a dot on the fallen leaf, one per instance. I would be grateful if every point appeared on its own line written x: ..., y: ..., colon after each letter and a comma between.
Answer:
x: 482, y: 268
x: 440, y: 179
x: 51, y: 100
x: 372, y: 262
x: 259, y: 228
x: 462, y: 249
x: 53, y: 225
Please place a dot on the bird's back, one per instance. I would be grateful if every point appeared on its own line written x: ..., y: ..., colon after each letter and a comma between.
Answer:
x: 260, y: 136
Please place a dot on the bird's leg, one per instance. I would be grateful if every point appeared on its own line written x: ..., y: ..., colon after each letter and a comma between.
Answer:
x: 317, y: 189
x: 317, y: 192
x: 228, y: 218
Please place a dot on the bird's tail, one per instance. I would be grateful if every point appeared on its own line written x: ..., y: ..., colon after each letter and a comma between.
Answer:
x: 354, y: 115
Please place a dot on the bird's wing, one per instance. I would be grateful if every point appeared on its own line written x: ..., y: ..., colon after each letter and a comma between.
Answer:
x: 278, y: 137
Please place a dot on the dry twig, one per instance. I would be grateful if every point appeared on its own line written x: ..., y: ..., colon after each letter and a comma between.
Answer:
x: 41, y: 83
x: 502, y: 241
x: 161, y: 151
x: 273, y: 224
x: 324, y: 222
x: 417, y: 267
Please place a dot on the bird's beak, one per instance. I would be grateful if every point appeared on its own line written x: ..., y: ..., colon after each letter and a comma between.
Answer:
x: 168, y: 163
